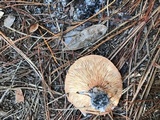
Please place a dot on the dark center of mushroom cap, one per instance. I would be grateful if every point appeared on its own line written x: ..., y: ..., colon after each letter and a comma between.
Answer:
x: 99, y: 99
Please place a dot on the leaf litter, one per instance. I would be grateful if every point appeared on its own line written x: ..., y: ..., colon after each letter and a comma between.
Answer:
x: 131, y: 42
x: 78, y: 40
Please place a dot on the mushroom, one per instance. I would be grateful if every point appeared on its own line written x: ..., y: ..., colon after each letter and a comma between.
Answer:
x: 93, y: 85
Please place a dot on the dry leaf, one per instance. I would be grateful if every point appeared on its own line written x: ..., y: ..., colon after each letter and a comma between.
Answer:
x: 70, y: 35
x: 85, y: 38
x: 8, y: 22
x: 33, y: 27
x: 1, y: 14
x: 19, y: 95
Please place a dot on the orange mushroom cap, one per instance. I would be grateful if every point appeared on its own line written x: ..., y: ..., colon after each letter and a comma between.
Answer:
x: 93, y: 85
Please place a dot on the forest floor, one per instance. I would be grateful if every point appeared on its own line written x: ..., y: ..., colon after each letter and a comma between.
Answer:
x: 34, y: 63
